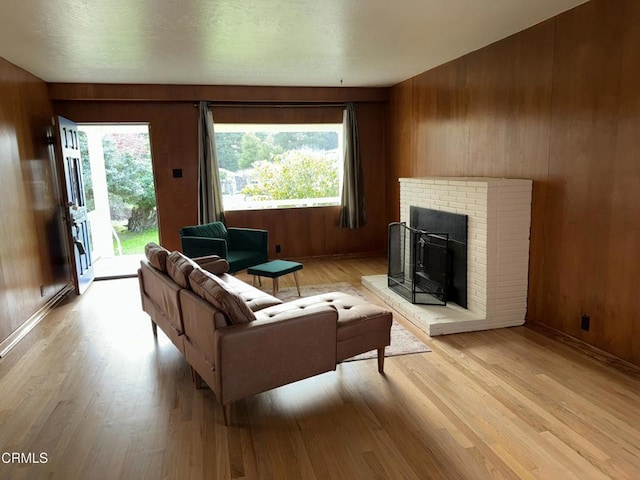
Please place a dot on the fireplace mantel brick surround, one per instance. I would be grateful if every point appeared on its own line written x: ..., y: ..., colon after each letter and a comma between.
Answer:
x: 499, y: 222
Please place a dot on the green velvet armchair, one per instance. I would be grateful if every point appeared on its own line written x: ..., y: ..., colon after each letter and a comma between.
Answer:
x: 242, y: 247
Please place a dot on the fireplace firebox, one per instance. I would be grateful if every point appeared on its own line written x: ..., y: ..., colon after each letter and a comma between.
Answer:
x: 428, y: 260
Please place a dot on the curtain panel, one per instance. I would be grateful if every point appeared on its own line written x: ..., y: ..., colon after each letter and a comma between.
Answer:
x: 352, y: 213
x: 209, y: 191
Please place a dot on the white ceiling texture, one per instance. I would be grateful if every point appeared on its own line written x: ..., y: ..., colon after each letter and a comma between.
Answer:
x: 254, y: 42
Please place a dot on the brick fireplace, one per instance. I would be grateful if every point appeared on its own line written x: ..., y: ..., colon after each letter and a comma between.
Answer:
x: 499, y: 219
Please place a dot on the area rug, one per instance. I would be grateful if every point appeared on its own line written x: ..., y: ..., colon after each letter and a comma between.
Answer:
x: 403, y: 342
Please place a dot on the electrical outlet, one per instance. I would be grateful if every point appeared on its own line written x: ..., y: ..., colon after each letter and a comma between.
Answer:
x: 585, y: 321
x: 278, y: 249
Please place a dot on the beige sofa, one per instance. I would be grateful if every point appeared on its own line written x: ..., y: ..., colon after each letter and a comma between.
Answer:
x: 241, y: 340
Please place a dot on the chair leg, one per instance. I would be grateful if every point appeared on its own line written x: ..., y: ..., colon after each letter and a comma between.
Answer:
x: 295, y: 275
x: 226, y: 413
x: 381, y: 360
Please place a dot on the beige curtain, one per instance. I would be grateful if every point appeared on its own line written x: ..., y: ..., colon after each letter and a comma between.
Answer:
x: 210, y: 193
x: 353, y: 213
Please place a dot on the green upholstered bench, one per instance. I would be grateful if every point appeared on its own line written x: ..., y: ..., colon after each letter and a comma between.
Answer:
x: 275, y: 269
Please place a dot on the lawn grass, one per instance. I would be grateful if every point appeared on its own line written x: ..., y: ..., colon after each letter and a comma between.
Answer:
x: 134, y: 242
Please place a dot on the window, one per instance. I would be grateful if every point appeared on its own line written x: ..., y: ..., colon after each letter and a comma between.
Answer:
x: 279, y: 166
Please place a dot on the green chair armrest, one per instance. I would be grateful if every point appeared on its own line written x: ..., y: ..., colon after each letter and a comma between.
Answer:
x: 194, y: 247
x: 249, y: 239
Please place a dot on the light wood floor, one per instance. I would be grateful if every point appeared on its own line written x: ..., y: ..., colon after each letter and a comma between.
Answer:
x: 92, y: 389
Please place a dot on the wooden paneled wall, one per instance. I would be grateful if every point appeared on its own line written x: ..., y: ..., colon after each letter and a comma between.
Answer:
x: 558, y: 103
x: 173, y: 123
x: 32, y: 254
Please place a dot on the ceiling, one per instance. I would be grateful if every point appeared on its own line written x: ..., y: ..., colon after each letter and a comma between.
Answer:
x: 257, y: 42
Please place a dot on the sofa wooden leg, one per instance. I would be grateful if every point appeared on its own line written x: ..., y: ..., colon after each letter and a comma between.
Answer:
x: 226, y: 413
x: 154, y: 328
x: 198, y: 380
x: 381, y: 360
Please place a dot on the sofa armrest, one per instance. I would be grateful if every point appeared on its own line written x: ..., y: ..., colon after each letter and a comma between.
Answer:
x: 249, y: 239
x: 213, y: 263
x: 270, y: 352
x: 202, y: 246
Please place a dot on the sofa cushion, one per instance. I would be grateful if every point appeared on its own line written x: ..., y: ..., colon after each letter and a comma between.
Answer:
x: 156, y: 255
x: 253, y: 297
x: 221, y: 295
x: 179, y: 267
x: 356, y: 316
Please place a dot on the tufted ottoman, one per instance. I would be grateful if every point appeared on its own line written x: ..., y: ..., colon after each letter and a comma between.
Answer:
x: 362, y: 326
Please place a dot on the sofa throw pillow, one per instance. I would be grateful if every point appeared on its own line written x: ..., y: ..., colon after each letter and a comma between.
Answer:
x: 213, y: 263
x: 156, y: 255
x: 179, y: 267
x: 221, y: 295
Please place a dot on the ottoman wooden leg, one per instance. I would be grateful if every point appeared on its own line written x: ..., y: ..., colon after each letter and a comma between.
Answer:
x: 381, y: 360
x: 295, y: 275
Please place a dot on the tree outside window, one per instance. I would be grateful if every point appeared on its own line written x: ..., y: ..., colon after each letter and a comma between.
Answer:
x: 279, y: 166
